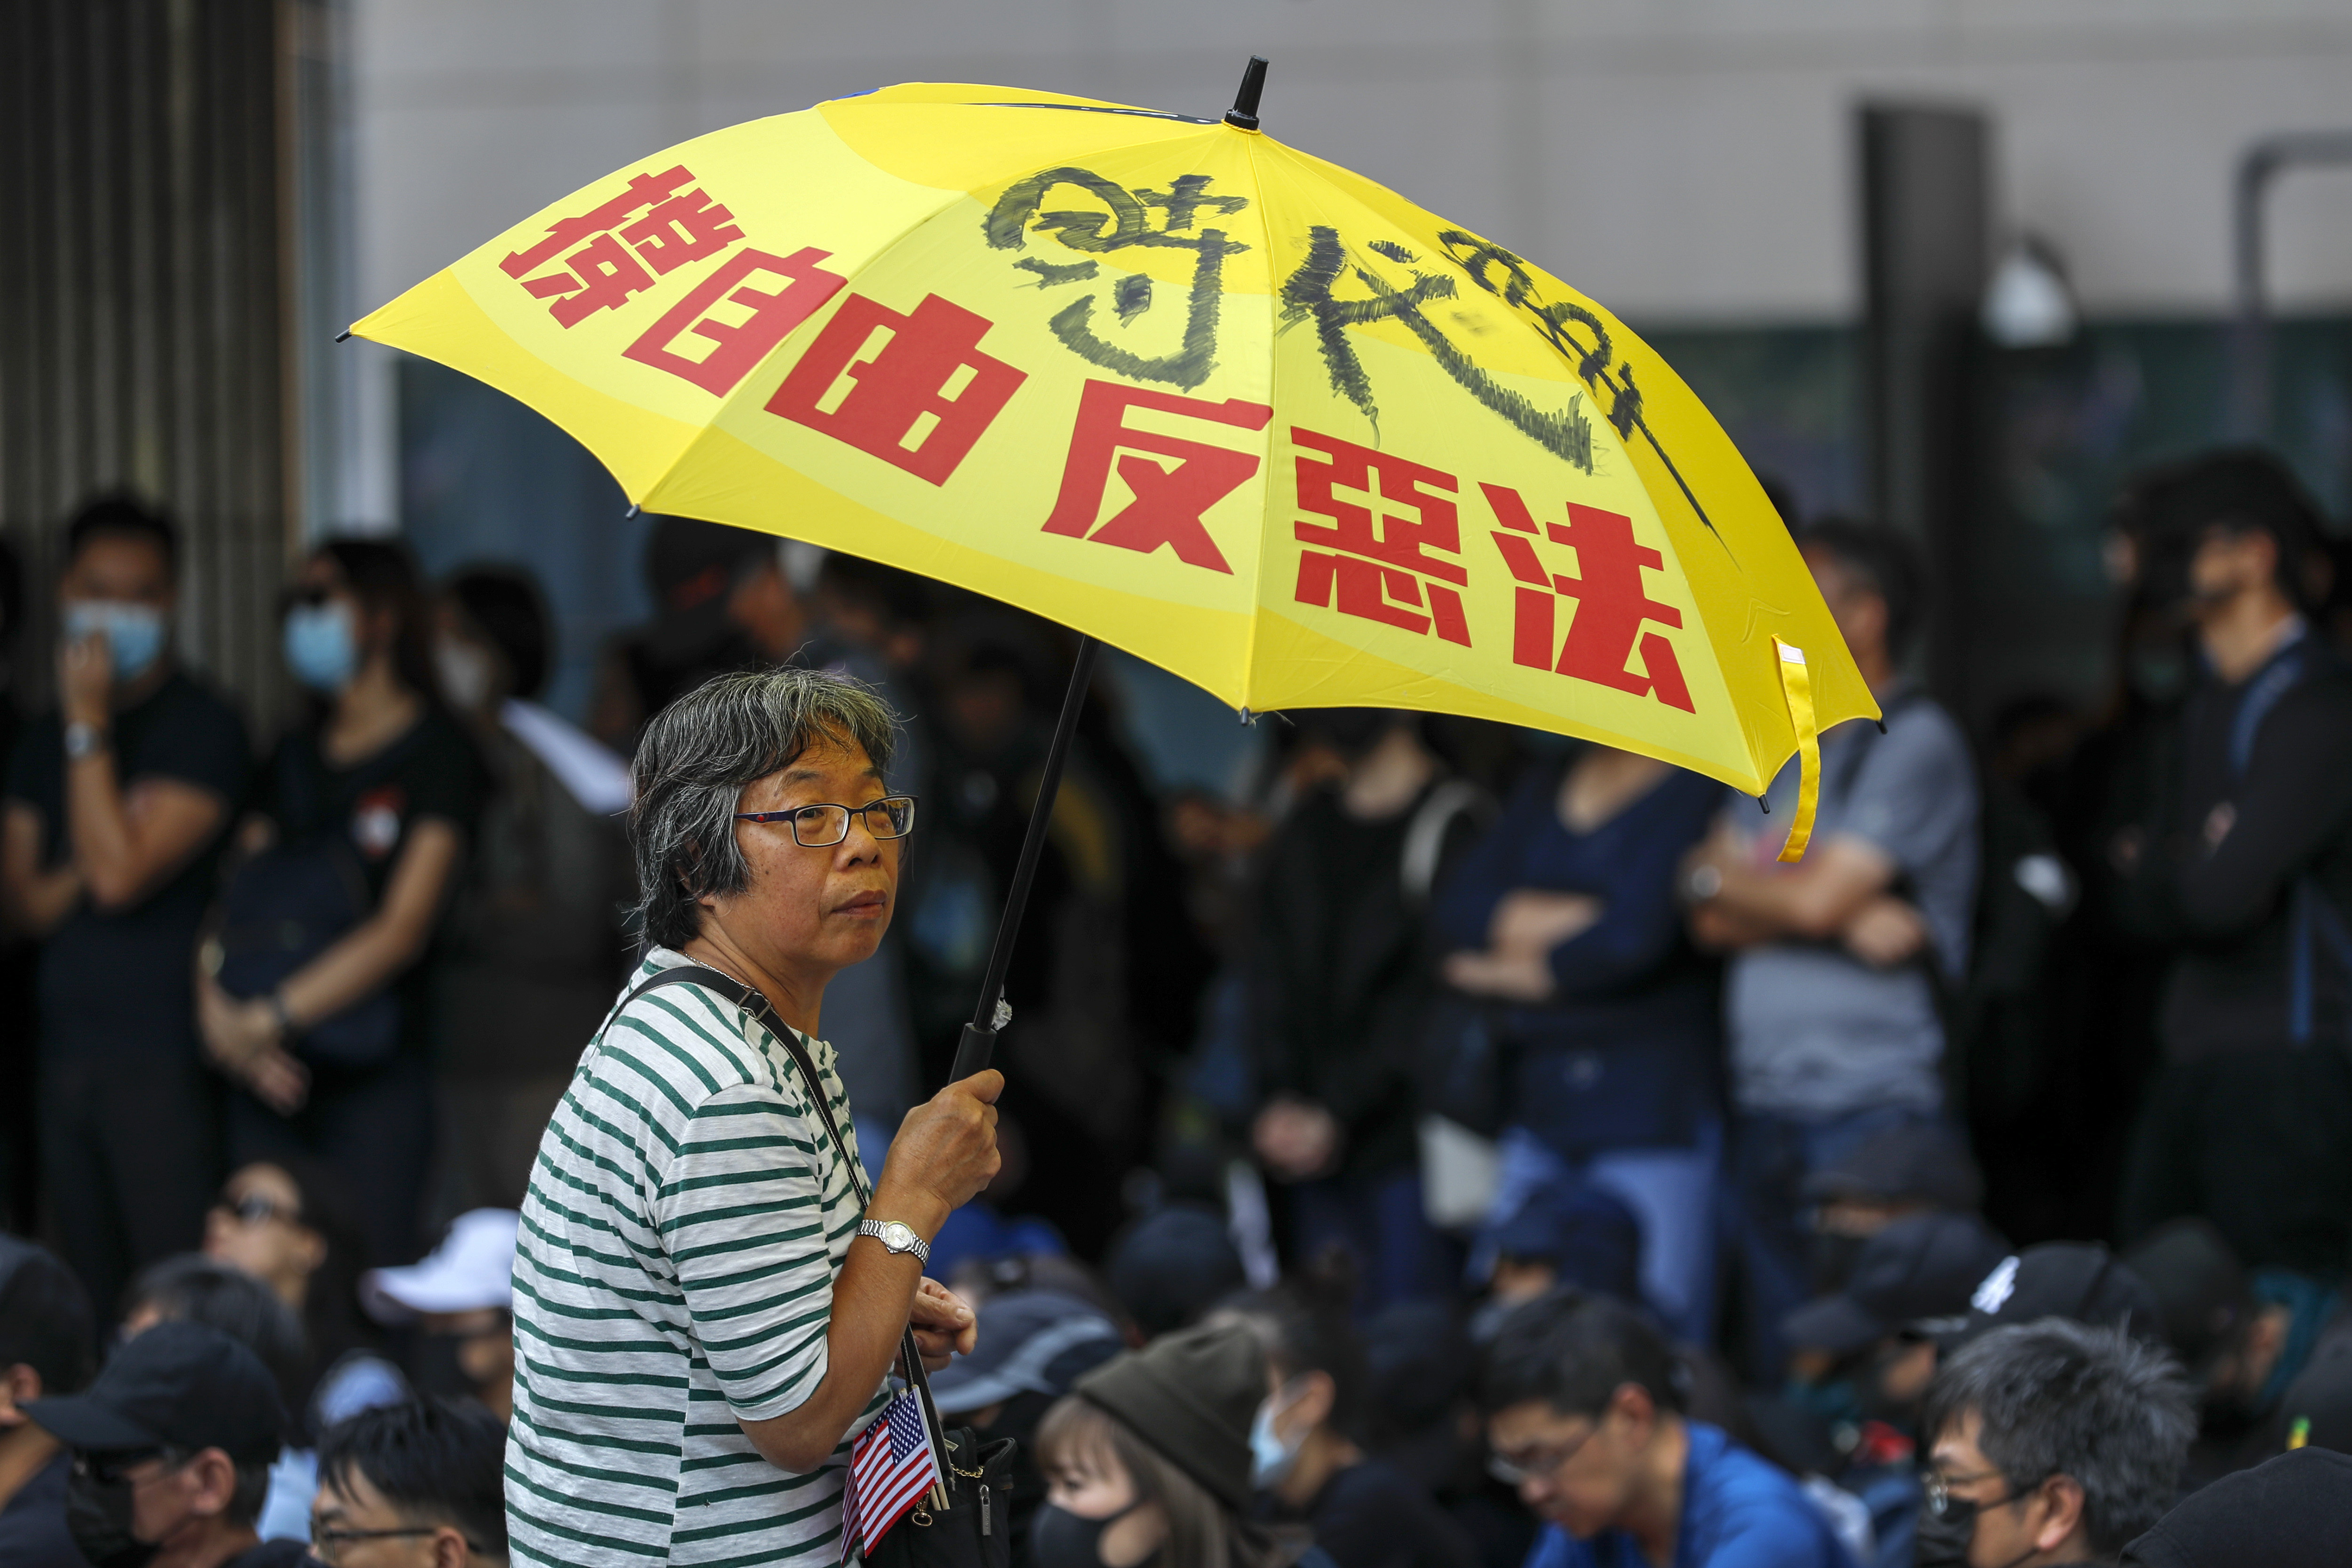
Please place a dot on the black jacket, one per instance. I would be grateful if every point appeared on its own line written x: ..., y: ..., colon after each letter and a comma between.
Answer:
x: 1344, y: 968
x: 2248, y: 869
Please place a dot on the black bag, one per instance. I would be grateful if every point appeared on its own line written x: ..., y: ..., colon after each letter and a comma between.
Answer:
x: 285, y: 907
x: 973, y: 1528
x: 976, y: 1530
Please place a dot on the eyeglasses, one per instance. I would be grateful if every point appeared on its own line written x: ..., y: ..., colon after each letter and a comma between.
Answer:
x: 1528, y: 1463
x: 256, y: 1208
x: 327, y: 1544
x: 823, y: 826
x: 112, y: 1468
x: 1937, y: 1486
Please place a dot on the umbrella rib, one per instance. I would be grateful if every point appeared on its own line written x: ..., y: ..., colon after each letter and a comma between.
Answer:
x: 1269, y: 488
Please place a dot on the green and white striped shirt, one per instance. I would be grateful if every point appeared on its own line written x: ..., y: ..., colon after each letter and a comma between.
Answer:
x: 685, y: 1217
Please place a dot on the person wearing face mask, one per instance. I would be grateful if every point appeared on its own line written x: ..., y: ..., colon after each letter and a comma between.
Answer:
x: 2238, y: 860
x: 118, y: 806
x: 1863, y: 1357
x: 372, y: 795
x: 534, y: 940
x: 1148, y: 1462
x: 1583, y: 1402
x: 172, y: 1449
x: 2049, y: 1444
x: 1305, y: 1455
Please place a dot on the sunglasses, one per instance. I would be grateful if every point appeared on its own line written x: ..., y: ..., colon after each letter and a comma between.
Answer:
x: 256, y: 1208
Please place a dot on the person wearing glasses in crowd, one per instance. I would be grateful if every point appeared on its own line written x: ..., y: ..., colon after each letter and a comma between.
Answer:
x: 2050, y: 1444
x: 415, y: 1485
x: 286, y: 1223
x: 1584, y: 1402
x: 696, y: 1287
x: 379, y: 786
x: 171, y: 1451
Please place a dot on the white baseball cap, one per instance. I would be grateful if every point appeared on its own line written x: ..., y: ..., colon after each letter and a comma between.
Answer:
x: 472, y: 1268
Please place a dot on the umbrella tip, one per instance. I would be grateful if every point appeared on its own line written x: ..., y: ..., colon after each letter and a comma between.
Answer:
x: 628, y: 514
x: 344, y: 336
x: 1244, y: 113
x: 1764, y: 806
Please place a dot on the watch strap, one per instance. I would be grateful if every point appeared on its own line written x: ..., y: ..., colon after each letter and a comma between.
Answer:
x: 879, y: 1230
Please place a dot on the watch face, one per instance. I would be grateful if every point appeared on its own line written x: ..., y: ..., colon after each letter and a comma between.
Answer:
x: 898, y: 1236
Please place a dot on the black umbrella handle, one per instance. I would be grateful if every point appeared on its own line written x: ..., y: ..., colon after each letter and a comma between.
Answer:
x: 980, y: 1035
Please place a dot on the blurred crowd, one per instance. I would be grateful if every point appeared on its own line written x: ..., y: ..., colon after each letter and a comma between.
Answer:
x: 1446, y: 1145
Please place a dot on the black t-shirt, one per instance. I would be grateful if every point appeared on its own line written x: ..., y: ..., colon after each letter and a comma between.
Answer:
x: 33, y: 1533
x: 121, y: 982
x: 432, y: 771
x: 272, y: 1554
x: 1370, y: 1516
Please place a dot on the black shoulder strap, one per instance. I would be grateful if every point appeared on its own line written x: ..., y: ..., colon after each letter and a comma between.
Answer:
x: 751, y: 1000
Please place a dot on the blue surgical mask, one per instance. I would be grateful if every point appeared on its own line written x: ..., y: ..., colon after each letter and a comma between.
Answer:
x: 1270, y: 1457
x: 134, y: 633
x: 320, y: 648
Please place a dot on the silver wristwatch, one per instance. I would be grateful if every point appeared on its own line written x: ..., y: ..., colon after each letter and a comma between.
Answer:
x: 896, y: 1237
x: 84, y: 741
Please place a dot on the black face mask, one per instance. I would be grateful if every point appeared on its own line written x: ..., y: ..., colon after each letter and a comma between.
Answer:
x: 1944, y: 1538
x: 98, y: 1516
x: 1057, y: 1538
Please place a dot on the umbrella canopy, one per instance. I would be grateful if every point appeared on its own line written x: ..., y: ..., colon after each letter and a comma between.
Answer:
x: 1165, y: 380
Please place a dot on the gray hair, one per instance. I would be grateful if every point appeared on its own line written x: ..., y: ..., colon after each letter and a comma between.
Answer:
x: 2058, y: 1398
x: 696, y: 759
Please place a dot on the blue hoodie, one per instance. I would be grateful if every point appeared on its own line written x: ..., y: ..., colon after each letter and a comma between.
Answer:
x: 1739, y: 1511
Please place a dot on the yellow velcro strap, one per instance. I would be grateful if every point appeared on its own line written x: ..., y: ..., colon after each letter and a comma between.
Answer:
x: 1797, y: 687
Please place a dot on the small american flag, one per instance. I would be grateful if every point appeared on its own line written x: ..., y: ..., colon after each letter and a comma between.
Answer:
x: 892, y: 1468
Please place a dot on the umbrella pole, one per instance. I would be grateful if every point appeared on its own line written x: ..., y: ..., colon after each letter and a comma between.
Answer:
x: 989, y: 1015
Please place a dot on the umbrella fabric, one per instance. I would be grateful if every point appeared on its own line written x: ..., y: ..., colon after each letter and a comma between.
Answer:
x: 1168, y: 382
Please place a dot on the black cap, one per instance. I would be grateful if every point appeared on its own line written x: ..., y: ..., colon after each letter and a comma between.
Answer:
x: 1170, y: 1265
x: 2202, y: 1293
x: 2076, y: 1279
x: 1926, y: 1162
x: 1921, y: 1267
x: 1031, y: 1342
x: 2294, y: 1511
x: 1586, y: 1232
x: 179, y: 1386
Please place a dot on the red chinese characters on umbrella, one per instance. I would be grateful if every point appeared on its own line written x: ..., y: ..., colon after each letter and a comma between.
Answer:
x: 1611, y: 603
x: 919, y: 403
x: 746, y: 280
x: 1170, y: 505
x: 1376, y: 564
x: 617, y: 248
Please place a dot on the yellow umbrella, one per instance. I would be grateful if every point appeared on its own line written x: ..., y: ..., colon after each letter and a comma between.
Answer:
x: 1171, y: 383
